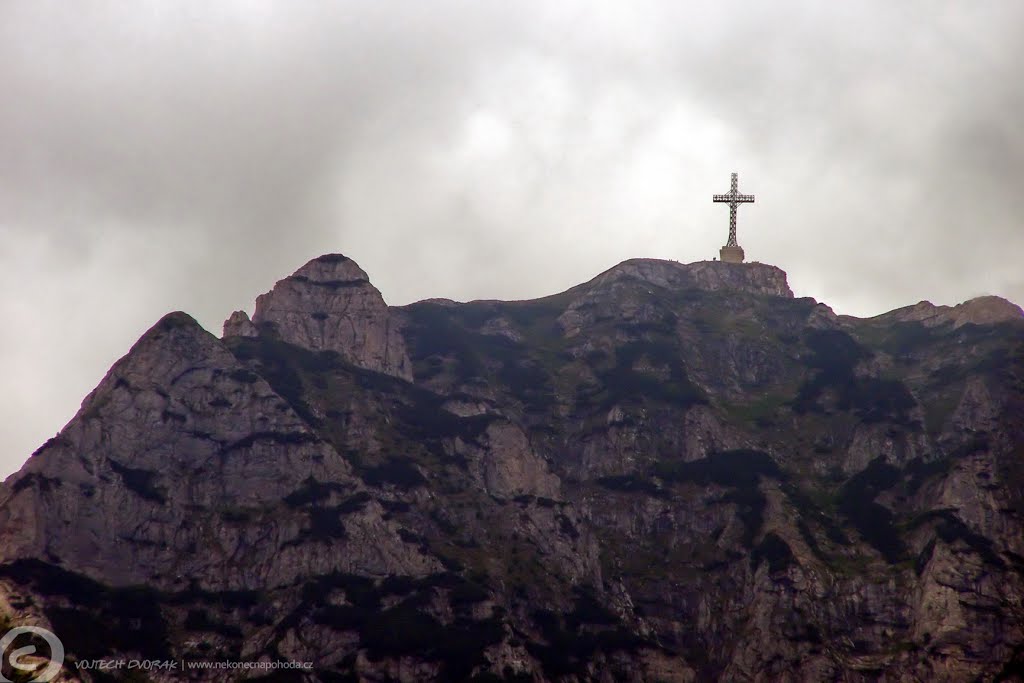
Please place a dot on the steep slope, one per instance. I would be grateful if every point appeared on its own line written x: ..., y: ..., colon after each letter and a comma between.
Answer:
x: 178, y: 440
x: 671, y: 472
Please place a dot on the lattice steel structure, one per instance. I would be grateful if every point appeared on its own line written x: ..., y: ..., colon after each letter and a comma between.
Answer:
x: 733, y: 199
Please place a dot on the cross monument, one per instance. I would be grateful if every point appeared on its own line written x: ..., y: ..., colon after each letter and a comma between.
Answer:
x: 732, y: 252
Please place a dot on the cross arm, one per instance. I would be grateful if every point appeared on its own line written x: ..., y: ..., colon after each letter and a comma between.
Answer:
x: 737, y: 198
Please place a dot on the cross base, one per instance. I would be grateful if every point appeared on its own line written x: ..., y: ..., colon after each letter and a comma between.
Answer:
x: 729, y: 254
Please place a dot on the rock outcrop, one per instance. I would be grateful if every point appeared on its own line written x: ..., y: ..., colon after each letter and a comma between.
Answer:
x: 671, y: 472
x: 330, y: 305
x: 239, y: 325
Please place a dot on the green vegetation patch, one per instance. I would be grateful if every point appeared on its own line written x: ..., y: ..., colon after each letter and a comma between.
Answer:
x: 312, y: 492
x: 834, y: 355
x: 244, y: 376
x: 761, y: 413
x: 229, y: 600
x: 407, y: 628
x: 924, y: 557
x: 324, y: 521
x: 423, y: 419
x: 773, y: 551
x: 397, y: 472
x: 436, y: 333
x: 631, y: 483
x: 445, y: 337
x: 874, y: 522
x: 285, y: 438
x: 325, y: 526
x: 737, y: 468
x: 624, y: 383
x: 917, y: 472
x: 902, y: 340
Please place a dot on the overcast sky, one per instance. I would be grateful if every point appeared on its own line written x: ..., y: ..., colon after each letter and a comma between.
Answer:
x: 157, y: 156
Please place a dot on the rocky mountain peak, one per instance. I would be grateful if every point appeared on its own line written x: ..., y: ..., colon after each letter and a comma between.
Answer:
x: 331, y: 269
x: 755, y: 278
x: 329, y: 305
x: 986, y: 310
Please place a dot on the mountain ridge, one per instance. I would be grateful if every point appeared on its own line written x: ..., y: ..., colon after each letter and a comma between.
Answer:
x: 669, y: 472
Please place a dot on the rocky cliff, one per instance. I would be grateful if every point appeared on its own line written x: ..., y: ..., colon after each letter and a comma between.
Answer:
x: 330, y: 305
x: 672, y: 472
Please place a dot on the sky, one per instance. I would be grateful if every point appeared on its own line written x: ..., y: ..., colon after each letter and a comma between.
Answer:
x: 179, y: 155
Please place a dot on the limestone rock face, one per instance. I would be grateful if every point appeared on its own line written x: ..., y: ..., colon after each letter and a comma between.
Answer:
x: 670, y: 472
x: 330, y: 305
x: 179, y: 442
x: 983, y: 310
x: 506, y: 466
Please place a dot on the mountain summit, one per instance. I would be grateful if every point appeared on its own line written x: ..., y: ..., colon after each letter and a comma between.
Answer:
x: 330, y: 305
x: 671, y: 472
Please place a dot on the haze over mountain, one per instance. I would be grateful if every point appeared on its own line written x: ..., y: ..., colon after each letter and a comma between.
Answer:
x: 670, y: 472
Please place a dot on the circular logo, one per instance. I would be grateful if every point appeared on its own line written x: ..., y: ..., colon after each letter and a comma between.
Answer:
x: 56, y: 659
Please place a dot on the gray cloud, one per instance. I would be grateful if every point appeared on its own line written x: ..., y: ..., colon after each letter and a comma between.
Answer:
x: 158, y: 156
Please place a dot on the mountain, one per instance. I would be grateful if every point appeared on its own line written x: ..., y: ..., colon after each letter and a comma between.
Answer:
x: 669, y: 473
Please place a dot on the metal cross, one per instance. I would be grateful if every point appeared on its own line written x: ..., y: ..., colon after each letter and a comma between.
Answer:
x: 733, y: 199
